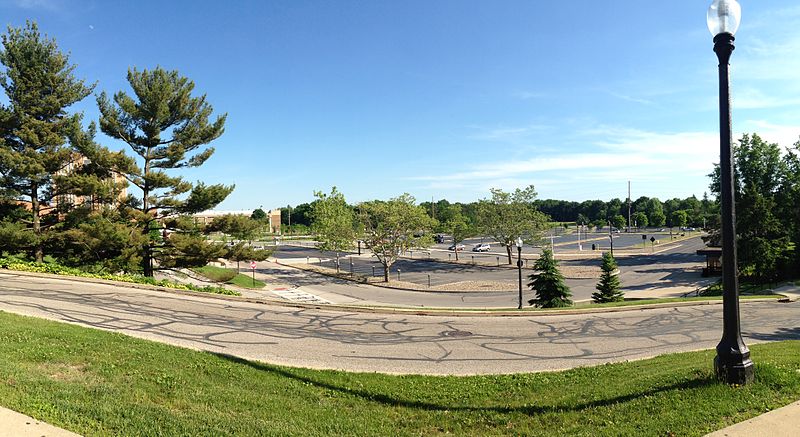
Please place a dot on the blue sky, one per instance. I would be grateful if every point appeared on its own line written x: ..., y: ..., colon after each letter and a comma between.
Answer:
x: 446, y: 99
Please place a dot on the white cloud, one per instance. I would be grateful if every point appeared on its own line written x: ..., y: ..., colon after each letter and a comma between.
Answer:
x: 630, y: 98
x: 783, y: 135
x: 527, y: 95
x: 510, y: 134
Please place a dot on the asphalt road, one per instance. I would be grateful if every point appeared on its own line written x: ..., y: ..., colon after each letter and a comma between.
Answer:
x: 671, y: 272
x: 393, y: 343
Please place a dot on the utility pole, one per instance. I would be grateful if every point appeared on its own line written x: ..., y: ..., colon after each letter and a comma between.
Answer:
x: 629, y: 207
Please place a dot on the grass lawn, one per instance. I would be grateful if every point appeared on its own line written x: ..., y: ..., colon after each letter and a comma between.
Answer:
x: 229, y: 276
x: 99, y: 383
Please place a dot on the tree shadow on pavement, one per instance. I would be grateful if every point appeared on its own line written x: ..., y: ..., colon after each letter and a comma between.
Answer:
x: 780, y: 334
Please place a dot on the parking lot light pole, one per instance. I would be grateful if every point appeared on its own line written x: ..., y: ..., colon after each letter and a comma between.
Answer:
x: 732, y: 363
x: 519, y: 269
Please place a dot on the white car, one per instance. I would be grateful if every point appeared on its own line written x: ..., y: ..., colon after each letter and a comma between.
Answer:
x: 456, y: 247
x: 483, y: 247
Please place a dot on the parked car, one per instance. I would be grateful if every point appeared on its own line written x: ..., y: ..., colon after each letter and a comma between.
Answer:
x: 483, y: 247
x: 439, y: 238
x: 456, y: 247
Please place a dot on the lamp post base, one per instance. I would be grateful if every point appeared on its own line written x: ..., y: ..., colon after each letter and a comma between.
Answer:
x: 732, y: 371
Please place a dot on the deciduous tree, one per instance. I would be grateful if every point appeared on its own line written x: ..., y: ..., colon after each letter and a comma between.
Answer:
x: 507, y: 216
x: 393, y: 227
x: 333, y: 222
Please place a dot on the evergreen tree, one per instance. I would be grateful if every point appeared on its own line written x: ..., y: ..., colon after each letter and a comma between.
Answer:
x: 35, y: 125
x: 608, y: 288
x: 163, y: 123
x: 548, y: 283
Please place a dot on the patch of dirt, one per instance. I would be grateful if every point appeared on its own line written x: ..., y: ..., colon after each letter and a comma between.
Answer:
x: 66, y: 372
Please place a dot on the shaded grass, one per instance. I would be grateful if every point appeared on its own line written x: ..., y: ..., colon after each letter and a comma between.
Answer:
x: 229, y: 276
x: 99, y: 383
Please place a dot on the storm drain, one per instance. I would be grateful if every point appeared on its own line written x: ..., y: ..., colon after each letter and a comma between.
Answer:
x: 455, y: 333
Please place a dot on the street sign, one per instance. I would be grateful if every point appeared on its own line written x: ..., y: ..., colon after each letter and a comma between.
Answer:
x: 253, y: 265
x: 652, y: 239
x: 644, y: 237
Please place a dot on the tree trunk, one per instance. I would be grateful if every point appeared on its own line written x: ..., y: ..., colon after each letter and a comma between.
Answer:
x: 385, y: 273
x: 147, y: 257
x: 508, y: 251
x: 38, y: 250
x: 456, y: 250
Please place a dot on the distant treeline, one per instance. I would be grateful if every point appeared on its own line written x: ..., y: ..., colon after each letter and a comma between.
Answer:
x: 645, y: 211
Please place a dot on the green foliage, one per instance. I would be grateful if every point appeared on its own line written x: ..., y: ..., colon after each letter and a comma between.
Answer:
x: 188, y: 250
x: 166, y: 127
x: 548, y: 283
x: 679, y: 218
x: 15, y: 237
x: 639, y: 220
x: 240, y: 227
x: 101, y: 239
x: 333, y: 222
x: 258, y: 214
x: 244, y: 252
x: 619, y: 221
x: 766, y: 210
x: 508, y: 216
x: 608, y: 289
x: 456, y: 225
x: 393, y: 227
x: 35, y: 126
x: 12, y: 263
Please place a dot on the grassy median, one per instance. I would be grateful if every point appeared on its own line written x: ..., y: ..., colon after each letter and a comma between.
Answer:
x: 229, y: 276
x: 99, y: 383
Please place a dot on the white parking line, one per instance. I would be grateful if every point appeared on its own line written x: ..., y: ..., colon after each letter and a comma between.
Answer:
x: 299, y: 296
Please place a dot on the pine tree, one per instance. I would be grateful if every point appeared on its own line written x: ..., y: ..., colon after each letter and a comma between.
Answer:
x: 163, y: 123
x: 35, y: 126
x: 548, y: 283
x: 608, y: 288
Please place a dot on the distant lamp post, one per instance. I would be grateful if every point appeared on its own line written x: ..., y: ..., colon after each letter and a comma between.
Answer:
x: 519, y: 269
x: 732, y: 363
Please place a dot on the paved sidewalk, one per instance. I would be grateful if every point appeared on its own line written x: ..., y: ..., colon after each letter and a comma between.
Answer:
x: 13, y: 424
x: 777, y: 423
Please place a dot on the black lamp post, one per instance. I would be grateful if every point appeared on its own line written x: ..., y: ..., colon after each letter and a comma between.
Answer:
x: 732, y: 363
x: 519, y: 269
